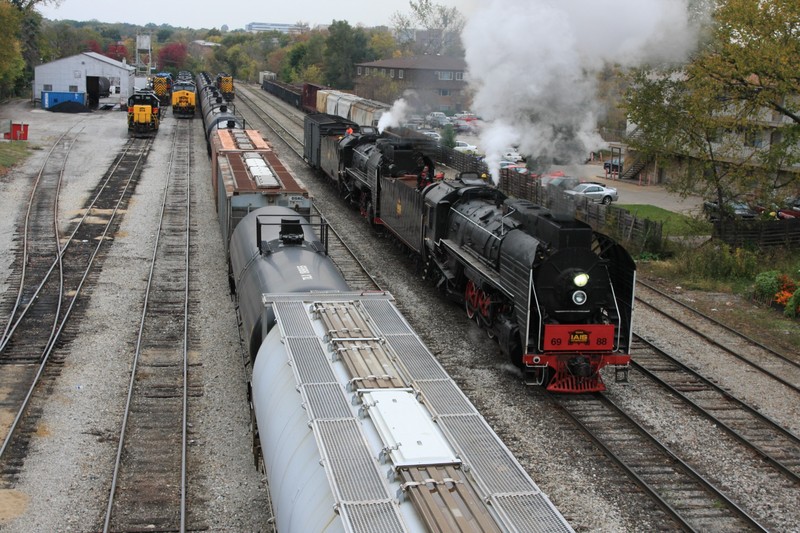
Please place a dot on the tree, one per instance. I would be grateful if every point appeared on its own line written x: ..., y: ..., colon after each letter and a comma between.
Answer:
x: 117, y: 51
x: 172, y: 56
x: 442, y: 26
x: 12, y: 64
x: 345, y: 47
x: 714, y: 118
x: 383, y: 44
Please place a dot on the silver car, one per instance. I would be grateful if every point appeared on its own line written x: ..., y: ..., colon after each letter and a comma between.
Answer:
x: 595, y: 192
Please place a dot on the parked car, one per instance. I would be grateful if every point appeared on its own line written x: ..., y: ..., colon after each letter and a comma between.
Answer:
x: 732, y: 209
x: 433, y: 135
x: 595, y: 192
x: 437, y: 119
x: 463, y: 126
x: 561, y: 182
x: 512, y: 155
x: 791, y: 208
x: 465, y: 147
x: 505, y: 163
x: 614, y: 164
x: 519, y: 169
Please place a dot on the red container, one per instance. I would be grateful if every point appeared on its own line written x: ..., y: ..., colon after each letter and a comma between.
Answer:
x: 19, y: 132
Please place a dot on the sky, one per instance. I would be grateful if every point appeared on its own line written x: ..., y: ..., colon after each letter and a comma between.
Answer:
x: 237, y: 13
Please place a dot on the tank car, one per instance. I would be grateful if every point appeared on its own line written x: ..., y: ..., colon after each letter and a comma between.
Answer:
x: 343, y: 392
x: 144, y: 113
x: 273, y: 249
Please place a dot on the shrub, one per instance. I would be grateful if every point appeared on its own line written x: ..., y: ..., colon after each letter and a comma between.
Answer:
x: 792, y: 309
x: 767, y: 285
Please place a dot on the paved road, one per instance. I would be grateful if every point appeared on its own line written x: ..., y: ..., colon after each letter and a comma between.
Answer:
x: 632, y: 192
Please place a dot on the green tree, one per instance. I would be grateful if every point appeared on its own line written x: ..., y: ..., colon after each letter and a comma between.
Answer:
x: 442, y: 24
x: 714, y: 118
x: 383, y: 44
x: 12, y: 64
x: 345, y: 47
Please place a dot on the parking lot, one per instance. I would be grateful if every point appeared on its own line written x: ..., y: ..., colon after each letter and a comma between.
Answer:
x: 630, y: 191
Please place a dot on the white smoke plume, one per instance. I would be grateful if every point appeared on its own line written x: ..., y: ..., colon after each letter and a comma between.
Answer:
x: 533, y: 66
x: 395, y: 116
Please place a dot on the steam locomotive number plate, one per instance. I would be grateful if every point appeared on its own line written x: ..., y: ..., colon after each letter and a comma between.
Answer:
x: 584, y: 337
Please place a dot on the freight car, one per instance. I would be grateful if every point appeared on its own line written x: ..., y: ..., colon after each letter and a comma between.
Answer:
x: 556, y: 295
x: 312, y: 98
x: 343, y: 392
x: 144, y: 113
x: 215, y: 110
x: 247, y: 174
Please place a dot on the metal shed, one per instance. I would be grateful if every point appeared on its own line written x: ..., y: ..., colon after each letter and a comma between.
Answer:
x: 89, y: 73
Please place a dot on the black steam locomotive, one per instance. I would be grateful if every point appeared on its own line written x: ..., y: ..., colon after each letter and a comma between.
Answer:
x: 556, y: 295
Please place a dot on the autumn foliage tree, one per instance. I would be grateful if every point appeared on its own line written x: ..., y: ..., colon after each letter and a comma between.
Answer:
x: 117, y: 51
x: 172, y: 56
x: 731, y: 115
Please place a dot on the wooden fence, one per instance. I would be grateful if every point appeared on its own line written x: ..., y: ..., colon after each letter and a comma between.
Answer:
x: 758, y: 233
x: 636, y: 234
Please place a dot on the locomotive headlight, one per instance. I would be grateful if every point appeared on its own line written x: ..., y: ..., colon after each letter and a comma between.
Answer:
x: 579, y: 297
x: 580, y: 280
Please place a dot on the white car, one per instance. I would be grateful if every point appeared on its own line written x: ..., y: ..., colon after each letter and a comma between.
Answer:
x: 512, y: 155
x: 465, y: 147
x: 596, y: 192
x: 433, y: 135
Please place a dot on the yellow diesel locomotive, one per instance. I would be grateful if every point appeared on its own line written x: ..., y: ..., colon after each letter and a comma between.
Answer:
x: 144, y: 114
x: 225, y: 85
x: 184, y: 98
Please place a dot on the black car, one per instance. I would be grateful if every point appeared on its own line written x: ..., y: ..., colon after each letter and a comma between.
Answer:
x: 614, y: 164
x: 731, y: 209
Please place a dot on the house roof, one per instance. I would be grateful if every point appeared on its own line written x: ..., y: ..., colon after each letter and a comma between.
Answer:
x: 420, y: 63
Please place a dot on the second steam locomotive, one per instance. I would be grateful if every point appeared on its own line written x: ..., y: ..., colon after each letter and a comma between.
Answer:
x: 557, y: 295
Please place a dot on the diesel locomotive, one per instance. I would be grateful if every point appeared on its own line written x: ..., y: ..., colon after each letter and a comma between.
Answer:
x: 144, y: 113
x: 556, y: 295
x: 184, y: 95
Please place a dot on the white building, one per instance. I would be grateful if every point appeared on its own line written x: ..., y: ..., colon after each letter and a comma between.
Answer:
x: 255, y: 27
x: 83, y: 78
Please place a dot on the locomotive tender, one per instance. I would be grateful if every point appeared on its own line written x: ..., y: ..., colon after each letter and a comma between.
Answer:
x: 556, y: 295
x: 343, y: 392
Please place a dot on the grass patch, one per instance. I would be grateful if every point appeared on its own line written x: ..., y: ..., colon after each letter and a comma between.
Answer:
x: 674, y: 224
x: 12, y: 153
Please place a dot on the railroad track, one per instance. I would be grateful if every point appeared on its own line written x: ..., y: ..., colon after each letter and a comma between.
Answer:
x: 293, y: 141
x: 779, y: 446
x: 149, y: 484
x: 693, y: 502
x: 51, y: 287
x: 780, y: 367
x: 353, y: 271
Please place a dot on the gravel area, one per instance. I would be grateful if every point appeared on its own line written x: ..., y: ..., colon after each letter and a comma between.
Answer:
x: 64, y: 483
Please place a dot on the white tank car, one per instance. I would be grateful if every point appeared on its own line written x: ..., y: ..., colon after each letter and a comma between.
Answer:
x: 362, y: 430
